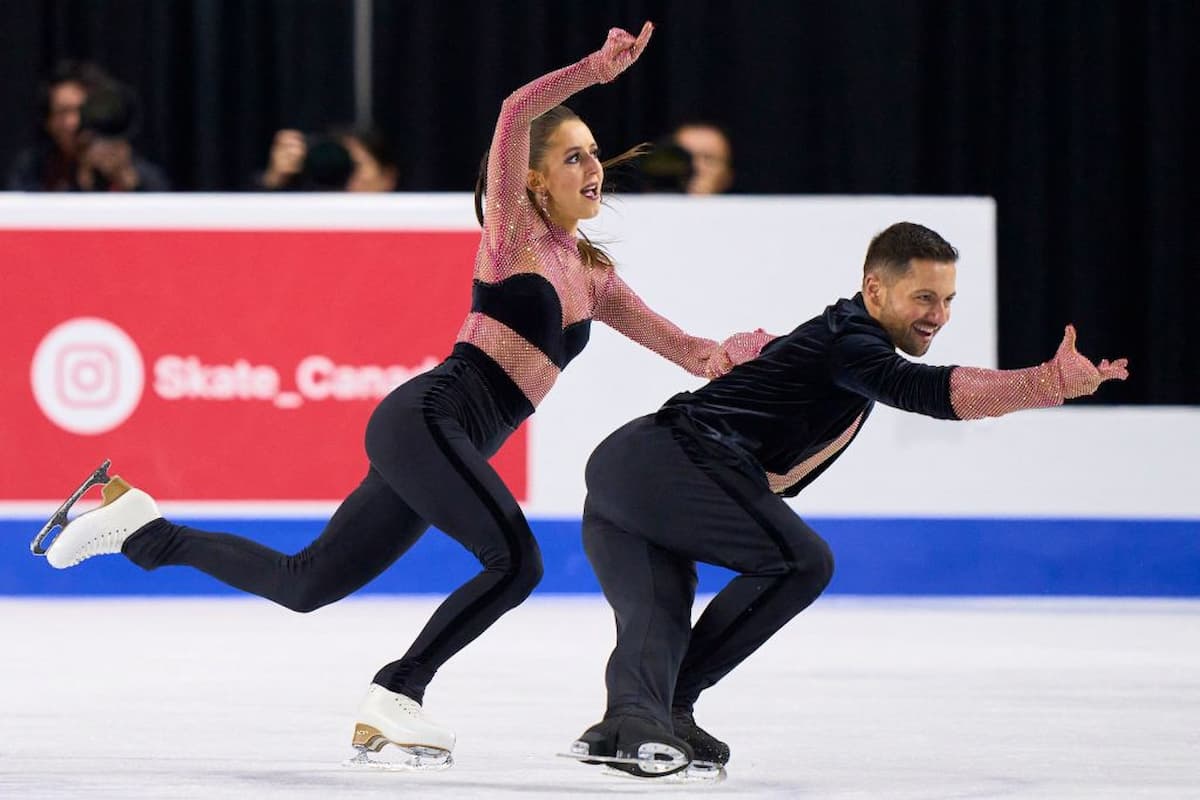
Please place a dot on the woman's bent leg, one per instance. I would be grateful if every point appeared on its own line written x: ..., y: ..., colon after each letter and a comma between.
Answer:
x: 446, y: 480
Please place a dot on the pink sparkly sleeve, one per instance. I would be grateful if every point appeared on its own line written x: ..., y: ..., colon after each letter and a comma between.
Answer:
x: 745, y: 346
x: 779, y: 483
x: 621, y: 309
x: 976, y: 393
x: 508, y: 157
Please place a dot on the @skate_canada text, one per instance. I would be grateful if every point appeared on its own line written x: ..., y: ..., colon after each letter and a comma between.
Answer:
x: 317, y: 378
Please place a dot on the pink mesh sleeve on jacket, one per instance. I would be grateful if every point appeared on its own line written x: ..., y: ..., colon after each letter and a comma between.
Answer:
x: 797, y: 473
x: 506, y: 215
x: 621, y: 309
x: 745, y: 346
x: 976, y: 393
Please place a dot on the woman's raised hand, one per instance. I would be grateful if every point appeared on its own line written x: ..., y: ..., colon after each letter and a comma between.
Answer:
x: 619, y: 51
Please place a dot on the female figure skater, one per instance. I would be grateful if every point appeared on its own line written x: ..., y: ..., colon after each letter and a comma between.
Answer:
x: 537, y: 287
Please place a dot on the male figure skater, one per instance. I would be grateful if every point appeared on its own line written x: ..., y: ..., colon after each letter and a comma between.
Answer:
x: 702, y: 479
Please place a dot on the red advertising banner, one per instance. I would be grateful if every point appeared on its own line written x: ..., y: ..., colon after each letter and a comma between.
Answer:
x: 218, y: 365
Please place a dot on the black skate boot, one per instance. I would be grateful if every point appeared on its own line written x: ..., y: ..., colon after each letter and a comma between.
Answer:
x: 640, y: 747
x: 705, y: 746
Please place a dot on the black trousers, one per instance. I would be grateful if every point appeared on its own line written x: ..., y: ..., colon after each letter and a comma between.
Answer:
x: 657, y: 504
x: 428, y: 443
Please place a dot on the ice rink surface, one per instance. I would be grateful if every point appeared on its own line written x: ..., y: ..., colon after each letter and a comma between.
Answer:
x: 856, y: 698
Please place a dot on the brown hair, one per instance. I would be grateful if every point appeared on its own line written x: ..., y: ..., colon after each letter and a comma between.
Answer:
x: 540, y: 131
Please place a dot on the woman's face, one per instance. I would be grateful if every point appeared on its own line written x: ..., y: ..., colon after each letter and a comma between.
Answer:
x: 711, y: 170
x: 571, y: 174
x: 62, y: 118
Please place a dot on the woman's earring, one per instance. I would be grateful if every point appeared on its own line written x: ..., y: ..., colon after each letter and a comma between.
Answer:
x: 544, y: 200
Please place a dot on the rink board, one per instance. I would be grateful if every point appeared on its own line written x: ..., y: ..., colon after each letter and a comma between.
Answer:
x: 873, y: 557
x: 226, y: 351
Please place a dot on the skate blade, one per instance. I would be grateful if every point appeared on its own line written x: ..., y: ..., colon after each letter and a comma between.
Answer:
x: 59, y: 520
x: 398, y: 758
x: 654, y: 770
x: 697, y: 772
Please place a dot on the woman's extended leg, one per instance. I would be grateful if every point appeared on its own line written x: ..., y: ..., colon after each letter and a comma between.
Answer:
x: 368, y: 532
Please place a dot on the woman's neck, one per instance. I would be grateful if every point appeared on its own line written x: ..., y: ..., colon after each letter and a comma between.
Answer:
x: 567, y: 226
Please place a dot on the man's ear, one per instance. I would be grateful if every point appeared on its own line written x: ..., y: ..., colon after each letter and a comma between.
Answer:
x: 872, y: 288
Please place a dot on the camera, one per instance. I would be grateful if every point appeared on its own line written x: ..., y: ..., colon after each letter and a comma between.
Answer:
x: 666, y: 168
x: 109, y: 112
x: 327, y: 164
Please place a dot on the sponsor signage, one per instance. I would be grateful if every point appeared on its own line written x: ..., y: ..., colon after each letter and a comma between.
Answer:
x: 219, y: 364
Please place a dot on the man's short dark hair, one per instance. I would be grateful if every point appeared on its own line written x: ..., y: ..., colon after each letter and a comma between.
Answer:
x: 893, y: 249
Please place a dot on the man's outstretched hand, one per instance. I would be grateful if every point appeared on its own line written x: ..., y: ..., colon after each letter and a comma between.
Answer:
x: 1077, y: 375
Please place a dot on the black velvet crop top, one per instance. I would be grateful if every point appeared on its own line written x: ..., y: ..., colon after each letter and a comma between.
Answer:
x: 529, y: 304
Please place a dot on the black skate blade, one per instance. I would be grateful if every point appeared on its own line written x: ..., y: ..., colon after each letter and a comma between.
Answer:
x: 59, y: 518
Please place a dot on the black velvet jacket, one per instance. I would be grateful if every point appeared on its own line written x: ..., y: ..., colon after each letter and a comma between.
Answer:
x: 804, y: 390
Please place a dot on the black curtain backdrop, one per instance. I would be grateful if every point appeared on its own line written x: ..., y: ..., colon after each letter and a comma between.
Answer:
x: 1079, y: 117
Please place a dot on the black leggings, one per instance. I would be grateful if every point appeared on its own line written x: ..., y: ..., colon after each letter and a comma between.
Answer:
x: 655, y: 506
x: 428, y: 443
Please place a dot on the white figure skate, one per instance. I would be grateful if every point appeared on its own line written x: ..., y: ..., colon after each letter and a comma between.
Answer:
x: 388, y: 718
x: 103, y: 530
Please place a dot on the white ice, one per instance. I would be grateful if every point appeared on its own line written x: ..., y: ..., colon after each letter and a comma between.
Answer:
x: 856, y: 698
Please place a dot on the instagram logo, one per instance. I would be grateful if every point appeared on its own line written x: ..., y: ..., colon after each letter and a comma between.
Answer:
x: 87, y: 376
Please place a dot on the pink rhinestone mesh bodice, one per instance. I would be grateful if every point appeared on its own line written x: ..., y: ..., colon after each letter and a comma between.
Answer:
x: 516, y: 240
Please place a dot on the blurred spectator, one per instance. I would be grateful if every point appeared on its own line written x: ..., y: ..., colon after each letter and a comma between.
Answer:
x: 712, y: 156
x: 342, y: 161
x: 375, y: 165
x: 696, y: 158
x: 665, y: 167
x: 107, y: 162
x: 284, y: 162
x: 50, y: 164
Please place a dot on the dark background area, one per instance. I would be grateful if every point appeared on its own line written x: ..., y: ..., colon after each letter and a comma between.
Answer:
x: 1080, y: 118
